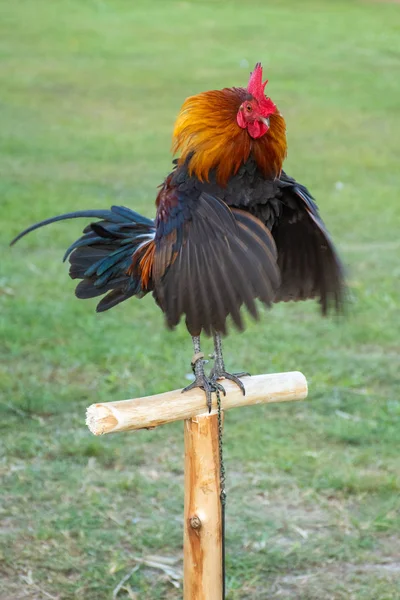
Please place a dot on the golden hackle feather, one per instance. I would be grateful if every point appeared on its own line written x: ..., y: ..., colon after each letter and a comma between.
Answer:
x: 206, y: 134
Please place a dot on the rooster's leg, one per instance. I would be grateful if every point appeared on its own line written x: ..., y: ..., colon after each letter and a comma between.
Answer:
x: 218, y: 371
x: 209, y: 385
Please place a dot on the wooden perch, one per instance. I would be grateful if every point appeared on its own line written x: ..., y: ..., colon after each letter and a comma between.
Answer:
x: 152, y: 411
x: 203, y: 520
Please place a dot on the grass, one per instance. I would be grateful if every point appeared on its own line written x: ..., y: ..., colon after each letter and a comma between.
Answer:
x: 89, y: 92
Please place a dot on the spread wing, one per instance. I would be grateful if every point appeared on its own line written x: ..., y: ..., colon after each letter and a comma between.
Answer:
x: 307, y: 259
x: 209, y: 261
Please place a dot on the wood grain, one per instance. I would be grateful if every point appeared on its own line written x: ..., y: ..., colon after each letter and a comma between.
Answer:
x: 202, y: 538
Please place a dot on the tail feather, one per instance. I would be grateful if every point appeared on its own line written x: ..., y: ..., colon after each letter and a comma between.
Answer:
x: 102, y: 257
x: 97, y: 214
x: 83, y: 261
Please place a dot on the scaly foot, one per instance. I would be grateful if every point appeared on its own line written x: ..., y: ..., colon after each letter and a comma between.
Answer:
x: 207, y: 384
x: 218, y: 371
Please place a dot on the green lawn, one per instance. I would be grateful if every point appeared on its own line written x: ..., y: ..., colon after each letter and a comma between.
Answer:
x: 88, y: 95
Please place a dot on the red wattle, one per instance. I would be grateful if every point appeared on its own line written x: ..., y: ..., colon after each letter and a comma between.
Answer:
x: 256, y: 129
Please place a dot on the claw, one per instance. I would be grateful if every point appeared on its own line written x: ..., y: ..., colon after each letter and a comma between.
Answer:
x: 222, y: 374
x: 209, y: 385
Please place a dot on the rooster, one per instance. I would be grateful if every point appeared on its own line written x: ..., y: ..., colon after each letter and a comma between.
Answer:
x: 230, y: 228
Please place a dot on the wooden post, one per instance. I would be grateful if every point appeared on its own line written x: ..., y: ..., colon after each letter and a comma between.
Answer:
x: 203, y: 536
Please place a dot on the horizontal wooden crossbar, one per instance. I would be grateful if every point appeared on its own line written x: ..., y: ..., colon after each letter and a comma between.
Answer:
x: 152, y: 411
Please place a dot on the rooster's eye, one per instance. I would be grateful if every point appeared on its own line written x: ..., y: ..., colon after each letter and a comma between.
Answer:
x: 248, y: 107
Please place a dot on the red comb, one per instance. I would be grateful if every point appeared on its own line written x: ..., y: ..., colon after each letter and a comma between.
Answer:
x: 256, y: 88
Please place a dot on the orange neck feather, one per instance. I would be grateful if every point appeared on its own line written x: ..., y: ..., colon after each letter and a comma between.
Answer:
x: 207, y: 136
